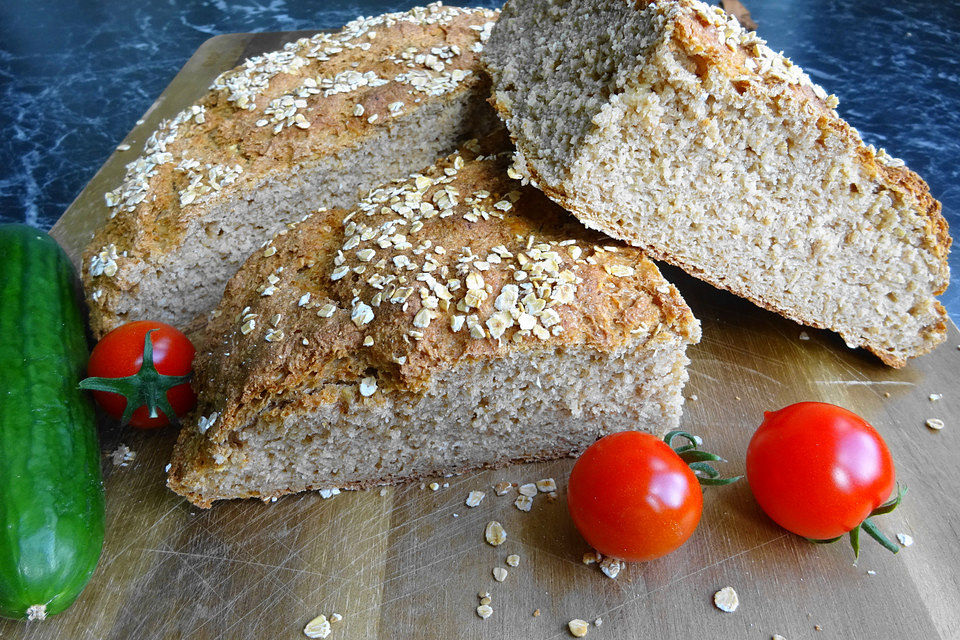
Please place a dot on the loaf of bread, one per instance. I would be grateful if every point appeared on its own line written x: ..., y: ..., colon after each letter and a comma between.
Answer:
x: 450, y: 321
x: 663, y: 123
x: 320, y: 122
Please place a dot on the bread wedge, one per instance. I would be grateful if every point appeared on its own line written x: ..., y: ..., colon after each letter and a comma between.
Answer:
x: 319, y: 122
x: 451, y: 321
x: 666, y: 125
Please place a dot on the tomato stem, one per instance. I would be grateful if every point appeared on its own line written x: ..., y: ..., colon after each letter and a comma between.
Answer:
x: 698, y: 460
x: 147, y: 387
x: 872, y: 530
x: 890, y: 504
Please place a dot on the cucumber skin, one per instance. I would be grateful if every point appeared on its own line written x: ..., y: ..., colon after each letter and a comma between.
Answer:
x: 51, y: 494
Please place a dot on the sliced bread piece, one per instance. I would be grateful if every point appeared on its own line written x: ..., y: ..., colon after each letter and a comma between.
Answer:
x: 451, y: 321
x: 322, y: 121
x: 666, y: 125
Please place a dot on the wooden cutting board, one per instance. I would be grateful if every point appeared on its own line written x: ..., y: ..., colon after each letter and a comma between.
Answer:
x: 408, y: 562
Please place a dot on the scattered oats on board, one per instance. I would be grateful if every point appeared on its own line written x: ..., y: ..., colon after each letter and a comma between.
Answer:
x: 123, y: 456
x: 474, y: 498
x: 935, y: 396
x: 871, y: 572
x: 529, y: 489
x: 726, y: 600
x: 434, y: 486
x: 578, y: 628
x: 935, y: 423
x: 546, y: 485
x: 502, y: 488
x: 336, y: 617
x: 777, y: 636
x: 536, y: 613
x: 524, y: 503
x: 514, y: 560
x: 591, y: 557
x: 804, y: 335
x: 499, y: 574
x: 494, y: 533
x: 319, y: 627
x: 905, y: 539
x: 484, y: 611
x: 611, y: 567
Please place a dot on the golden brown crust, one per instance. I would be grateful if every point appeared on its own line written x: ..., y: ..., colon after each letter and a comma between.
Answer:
x: 232, y: 141
x: 470, y: 244
x: 697, y: 34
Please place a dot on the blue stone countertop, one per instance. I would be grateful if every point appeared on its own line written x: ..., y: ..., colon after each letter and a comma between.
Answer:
x: 76, y: 75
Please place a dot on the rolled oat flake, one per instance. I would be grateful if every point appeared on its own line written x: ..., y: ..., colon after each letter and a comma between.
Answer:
x: 319, y: 627
x: 726, y: 600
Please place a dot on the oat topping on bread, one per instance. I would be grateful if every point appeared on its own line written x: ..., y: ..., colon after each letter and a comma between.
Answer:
x: 317, y: 123
x: 665, y: 124
x: 450, y: 321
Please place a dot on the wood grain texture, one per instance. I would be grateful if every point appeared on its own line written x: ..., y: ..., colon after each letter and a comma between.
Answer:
x: 409, y: 563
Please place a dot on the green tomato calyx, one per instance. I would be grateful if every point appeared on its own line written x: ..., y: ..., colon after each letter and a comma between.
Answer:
x: 147, y: 387
x: 870, y: 527
x: 699, y: 461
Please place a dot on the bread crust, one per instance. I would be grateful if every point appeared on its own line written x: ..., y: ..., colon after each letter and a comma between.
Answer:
x: 694, y: 31
x: 266, y: 120
x: 204, y: 501
x: 596, y: 293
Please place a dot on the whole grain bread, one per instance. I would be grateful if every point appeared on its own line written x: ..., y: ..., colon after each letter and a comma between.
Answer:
x: 319, y: 122
x: 663, y: 123
x: 451, y: 321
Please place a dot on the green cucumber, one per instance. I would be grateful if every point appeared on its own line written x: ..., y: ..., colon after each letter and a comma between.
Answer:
x: 51, y: 493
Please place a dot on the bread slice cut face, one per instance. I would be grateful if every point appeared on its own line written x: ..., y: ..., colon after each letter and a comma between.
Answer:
x: 450, y: 321
x: 319, y: 122
x: 666, y: 125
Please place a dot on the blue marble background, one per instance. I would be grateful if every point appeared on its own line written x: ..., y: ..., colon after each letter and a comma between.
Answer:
x: 76, y: 75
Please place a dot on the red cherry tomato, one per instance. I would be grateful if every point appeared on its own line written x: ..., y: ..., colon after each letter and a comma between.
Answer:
x: 120, y: 354
x: 633, y: 498
x: 818, y: 470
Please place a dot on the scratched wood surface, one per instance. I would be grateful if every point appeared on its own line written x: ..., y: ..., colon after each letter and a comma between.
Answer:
x: 409, y: 563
